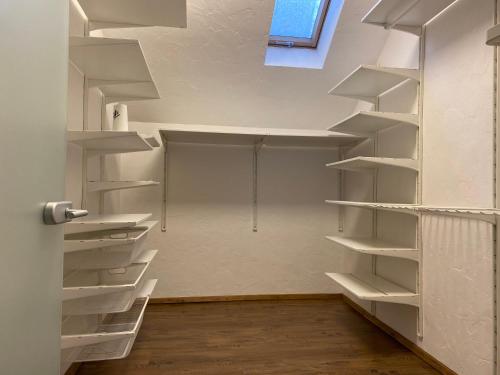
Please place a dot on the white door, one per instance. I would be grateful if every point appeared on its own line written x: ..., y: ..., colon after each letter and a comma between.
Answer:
x: 33, y: 85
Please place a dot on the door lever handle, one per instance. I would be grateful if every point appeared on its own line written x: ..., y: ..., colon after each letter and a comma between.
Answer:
x: 73, y: 214
x: 61, y: 212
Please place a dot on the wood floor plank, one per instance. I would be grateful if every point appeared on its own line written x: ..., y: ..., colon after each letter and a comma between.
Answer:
x: 261, y: 337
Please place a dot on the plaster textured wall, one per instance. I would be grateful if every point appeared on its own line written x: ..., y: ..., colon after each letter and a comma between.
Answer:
x: 213, y: 72
x: 209, y: 247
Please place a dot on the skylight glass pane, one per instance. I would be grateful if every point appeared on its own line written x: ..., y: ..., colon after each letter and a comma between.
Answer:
x: 295, y: 18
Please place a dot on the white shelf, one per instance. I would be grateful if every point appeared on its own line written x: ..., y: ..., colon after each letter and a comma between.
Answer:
x: 362, y: 163
x: 103, y: 186
x: 109, y: 142
x: 368, y: 123
x: 112, y: 338
x: 405, y: 15
x: 105, y: 249
x: 493, y: 36
x: 94, y: 223
x: 409, y: 209
x: 373, y: 246
x: 250, y: 136
x: 368, y: 81
x: 105, y: 291
x: 110, y: 63
x: 103, y: 14
x: 375, y: 288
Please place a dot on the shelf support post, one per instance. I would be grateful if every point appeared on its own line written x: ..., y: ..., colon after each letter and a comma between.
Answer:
x: 255, y: 183
x: 165, y: 183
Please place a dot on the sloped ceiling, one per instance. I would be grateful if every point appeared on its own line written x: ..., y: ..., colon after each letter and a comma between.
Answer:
x: 213, y: 72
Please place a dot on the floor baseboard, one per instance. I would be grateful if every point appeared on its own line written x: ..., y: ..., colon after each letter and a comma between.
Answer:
x: 417, y: 350
x: 235, y: 298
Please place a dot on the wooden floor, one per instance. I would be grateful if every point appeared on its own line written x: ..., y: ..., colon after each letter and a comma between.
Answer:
x: 270, y: 337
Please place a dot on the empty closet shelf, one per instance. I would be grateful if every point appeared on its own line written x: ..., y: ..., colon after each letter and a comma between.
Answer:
x: 405, y: 15
x: 368, y: 123
x: 368, y: 81
x: 105, y: 291
x: 410, y: 209
x: 374, y: 246
x: 86, y: 338
x: 94, y: 223
x: 103, y: 186
x: 206, y: 134
x: 370, y: 287
x: 109, y: 142
x: 362, y: 163
x: 113, y: 248
x: 103, y: 14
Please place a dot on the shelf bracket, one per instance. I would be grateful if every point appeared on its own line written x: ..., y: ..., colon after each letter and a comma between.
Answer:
x: 255, y: 183
x: 165, y: 183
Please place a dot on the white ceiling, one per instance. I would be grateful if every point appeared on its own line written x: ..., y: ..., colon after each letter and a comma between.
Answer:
x: 213, y: 72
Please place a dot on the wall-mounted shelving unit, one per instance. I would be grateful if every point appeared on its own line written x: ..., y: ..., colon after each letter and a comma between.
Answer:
x: 116, y: 66
x: 243, y: 136
x: 371, y: 287
x: 108, y: 338
x: 368, y: 82
x: 368, y: 123
x: 362, y: 163
x: 405, y: 15
x: 103, y: 186
x: 104, y: 14
x: 105, y: 291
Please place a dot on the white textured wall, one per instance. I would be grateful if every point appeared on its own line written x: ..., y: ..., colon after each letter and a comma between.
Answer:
x: 209, y: 247
x: 213, y: 72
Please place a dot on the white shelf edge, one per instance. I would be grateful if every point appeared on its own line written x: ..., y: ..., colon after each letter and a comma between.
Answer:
x: 104, y: 186
x: 393, y: 76
x: 94, y: 223
x: 418, y: 12
x: 88, y: 244
x: 250, y: 136
x: 384, y: 120
x: 108, y: 141
x: 489, y: 215
x: 362, y: 163
x: 371, y: 246
x: 375, y: 288
x: 493, y: 36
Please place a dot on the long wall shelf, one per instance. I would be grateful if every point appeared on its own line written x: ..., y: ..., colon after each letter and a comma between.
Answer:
x: 250, y: 136
x: 369, y: 81
x: 368, y: 123
x: 405, y: 15
x: 109, y: 142
x: 493, y: 36
x: 104, y: 186
x: 117, y: 66
x: 104, y: 14
x: 374, y: 246
x: 375, y: 288
x: 362, y: 163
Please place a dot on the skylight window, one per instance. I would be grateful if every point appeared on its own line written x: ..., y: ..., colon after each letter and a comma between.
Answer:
x: 297, y: 23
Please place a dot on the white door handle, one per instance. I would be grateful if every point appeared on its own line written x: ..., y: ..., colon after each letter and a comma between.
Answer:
x: 61, y: 212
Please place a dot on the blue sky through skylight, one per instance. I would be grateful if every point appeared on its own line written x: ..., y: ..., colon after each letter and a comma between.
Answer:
x: 295, y: 18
